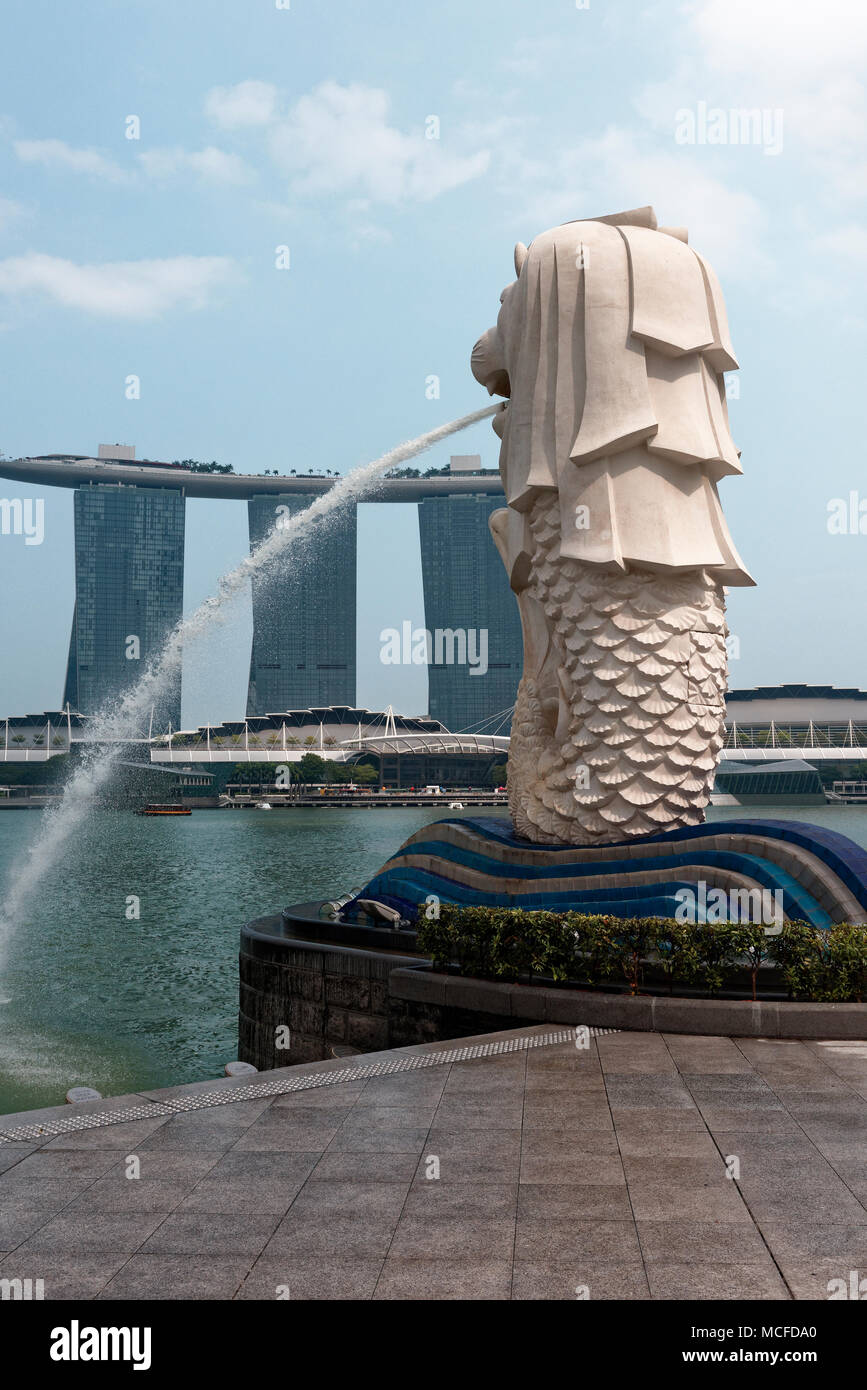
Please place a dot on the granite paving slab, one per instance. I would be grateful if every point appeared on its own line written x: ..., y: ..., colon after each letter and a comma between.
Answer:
x: 177, y: 1277
x: 711, y: 1281
x: 601, y: 1281
x: 13, y: 1154
x: 427, y: 1280
x: 73, y: 1276
x: 326, y: 1278
x: 543, y: 1171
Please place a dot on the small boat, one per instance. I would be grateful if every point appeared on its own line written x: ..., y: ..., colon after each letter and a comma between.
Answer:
x: 164, y: 809
x: 263, y: 806
x: 456, y: 805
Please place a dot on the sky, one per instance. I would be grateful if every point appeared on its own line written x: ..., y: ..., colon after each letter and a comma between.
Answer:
x: 399, y: 151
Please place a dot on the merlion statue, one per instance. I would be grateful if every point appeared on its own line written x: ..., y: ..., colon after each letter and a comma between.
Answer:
x: 611, y: 346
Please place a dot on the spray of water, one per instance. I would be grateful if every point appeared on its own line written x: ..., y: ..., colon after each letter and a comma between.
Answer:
x: 120, y: 723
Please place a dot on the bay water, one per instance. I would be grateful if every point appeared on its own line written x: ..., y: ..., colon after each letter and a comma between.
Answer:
x: 93, y: 994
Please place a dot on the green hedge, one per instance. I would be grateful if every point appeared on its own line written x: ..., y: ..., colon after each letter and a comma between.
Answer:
x: 507, y: 944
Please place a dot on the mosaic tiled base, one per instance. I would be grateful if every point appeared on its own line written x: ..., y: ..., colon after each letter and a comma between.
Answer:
x: 821, y: 876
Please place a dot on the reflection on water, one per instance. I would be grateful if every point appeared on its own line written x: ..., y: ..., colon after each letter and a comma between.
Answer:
x: 123, y: 1003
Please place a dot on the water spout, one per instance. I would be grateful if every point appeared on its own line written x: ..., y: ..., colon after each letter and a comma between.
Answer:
x: 121, y: 721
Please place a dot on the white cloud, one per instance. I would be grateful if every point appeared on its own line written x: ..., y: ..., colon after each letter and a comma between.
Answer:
x: 245, y: 104
x: 211, y: 165
x: 10, y: 211
x: 56, y: 154
x: 532, y: 57
x: 499, y: 130
x: 620, y: 170
x: 118, y: 289
x: 806, y: 60
x: 337, y: 140
x: 368, y: 233
x: 846, y: 243
x: 795, y: 43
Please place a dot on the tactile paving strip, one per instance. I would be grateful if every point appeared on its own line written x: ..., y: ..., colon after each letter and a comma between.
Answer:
x: 226, y: 1095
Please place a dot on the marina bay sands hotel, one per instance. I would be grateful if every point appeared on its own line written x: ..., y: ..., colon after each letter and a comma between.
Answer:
x: 129, y: 578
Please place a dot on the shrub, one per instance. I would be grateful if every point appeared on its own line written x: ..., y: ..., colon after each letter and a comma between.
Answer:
x: 757, y: 948
x: 717, y: 945
x: 632, y: 941
x: 847, y: 944
x: 828, y: 965
x: 594, y: 960
x: 795, y: 952
x: 558, y: 950
x: 676, y: 953
x: 511, y: 943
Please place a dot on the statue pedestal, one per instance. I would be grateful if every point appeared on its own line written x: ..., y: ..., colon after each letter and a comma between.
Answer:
x: 815, y: 874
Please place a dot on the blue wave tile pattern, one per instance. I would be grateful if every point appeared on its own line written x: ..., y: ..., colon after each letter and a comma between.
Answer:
x: 820, y: 876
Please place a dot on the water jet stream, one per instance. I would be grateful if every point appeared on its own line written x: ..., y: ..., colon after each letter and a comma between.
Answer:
x: 118, y: 724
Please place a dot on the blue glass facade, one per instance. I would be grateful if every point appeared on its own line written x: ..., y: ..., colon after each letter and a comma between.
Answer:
x: 129, y: 572
x: 466, y: 589
x: 129, y: 590
x: 303, y: 650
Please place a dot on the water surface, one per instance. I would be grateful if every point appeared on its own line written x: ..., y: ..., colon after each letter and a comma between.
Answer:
x: 97, y: 997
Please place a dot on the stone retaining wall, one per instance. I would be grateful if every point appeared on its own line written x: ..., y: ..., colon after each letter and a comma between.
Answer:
x: 324, y: 994
x: 425, y: 1000
x: 327, y: 994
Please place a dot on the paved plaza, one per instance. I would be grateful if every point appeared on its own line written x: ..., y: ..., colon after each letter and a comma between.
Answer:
x: 548, y: 1171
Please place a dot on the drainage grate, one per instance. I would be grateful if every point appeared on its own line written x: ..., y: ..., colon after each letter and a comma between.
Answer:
x: 227, y: 1095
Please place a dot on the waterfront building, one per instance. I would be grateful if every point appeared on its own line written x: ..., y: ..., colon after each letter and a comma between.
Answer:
x: 802, y: 744
x: 129, y: 585
x: 789, y: 782
x: 411, y: 750
x: 303, y: 650
x: 467, y: 593
x: 768, y: 722
x: 304, y: 620
x: 129, y: 536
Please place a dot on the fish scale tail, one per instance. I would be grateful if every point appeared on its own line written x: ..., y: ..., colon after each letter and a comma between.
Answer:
x: 642, y: 660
